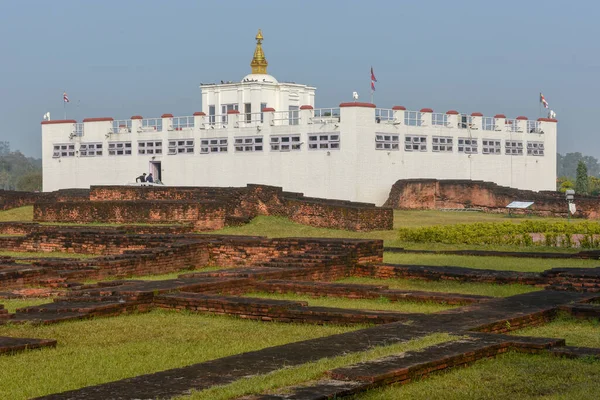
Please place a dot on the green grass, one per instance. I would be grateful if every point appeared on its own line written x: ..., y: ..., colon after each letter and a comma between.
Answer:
x: 12, y: 304
x: 107, y: 349
x: 311, y: 371
x: 282, y: 227
x: 159, y: 277
x: 482, y: 289
x: 20, y: 214
x: 576, y: 332
x: 493, y: 263
x: 382, y: 304
x: 43, y: 254
x: 511, y: 376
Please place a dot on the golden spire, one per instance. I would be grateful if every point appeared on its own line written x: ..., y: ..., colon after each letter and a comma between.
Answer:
x: 259, y: 62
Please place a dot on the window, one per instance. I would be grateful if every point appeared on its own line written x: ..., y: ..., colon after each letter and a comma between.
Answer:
x: 415, y: 143
x: 119, y: 148
x: 489, y: 123
x: 467, y: 145
x: 384, y: 141
x: 534, y: 127
x: 213, y: 145
x: 513, y: 147
x: 211, y: 114
x: 262, y: 114
x: 466, y: 122
x: 491, y: 146
x: 248, y: 112
x: 246, y: 144
x: 181, y: 146
x: 225, y: 108
x: 442, y: 144
x: 285, y: 143
x: 324, y: 141
x: 90, y: 149
x: 412, y: 118
x: 439, y: 119
x: 150, y: 147
x: 294, y: 115
x: 63, y: 150
x: 535, y: 148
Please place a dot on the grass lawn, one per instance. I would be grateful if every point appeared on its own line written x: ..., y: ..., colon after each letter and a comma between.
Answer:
x: 510, y: 376
x: 43, y: 254
x: 12, y: 304
x: 107, y: 349
x: 494, y: 263
x: 310, y: 371
x: 21, y: 214
x: 283, y: 227
x: 360, y: 304
x: 482, y: 289
x: 576, y: 332
x: 160, y: 277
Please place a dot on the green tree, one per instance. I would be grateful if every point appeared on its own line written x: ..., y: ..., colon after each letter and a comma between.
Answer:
x: 31, y: 182
x: 581, y: 183
x: 563, y: 183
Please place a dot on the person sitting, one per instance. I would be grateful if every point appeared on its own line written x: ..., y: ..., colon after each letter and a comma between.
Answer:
x: 149, y: 178
x: 141, y: 178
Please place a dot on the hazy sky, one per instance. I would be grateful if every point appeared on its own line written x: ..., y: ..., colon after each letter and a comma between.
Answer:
x: 122, y: 58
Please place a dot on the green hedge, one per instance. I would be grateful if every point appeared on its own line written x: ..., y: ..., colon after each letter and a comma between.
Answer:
x: 556, y: 233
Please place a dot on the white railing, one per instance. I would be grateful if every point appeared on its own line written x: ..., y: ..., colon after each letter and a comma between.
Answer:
x: 511, y: 125
x: 291, y: 117
x: 181, y: 123
x: 412, y: 118
x: 152, y: 125
x: 326, y: 115
x: 534, y: 127
x: 78, y: 130
x: 252, y: 119
x: 384, y: 114
x: 121, y: 126
x: 488, y: 123
x: 439, y: 119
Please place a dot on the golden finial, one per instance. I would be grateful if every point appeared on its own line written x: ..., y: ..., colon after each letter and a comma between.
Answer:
x: 259, y: 62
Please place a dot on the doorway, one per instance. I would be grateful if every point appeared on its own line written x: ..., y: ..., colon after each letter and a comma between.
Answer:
x: 156, y: 170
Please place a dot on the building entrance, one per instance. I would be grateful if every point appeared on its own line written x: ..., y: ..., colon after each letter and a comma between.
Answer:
x: 156, y: 170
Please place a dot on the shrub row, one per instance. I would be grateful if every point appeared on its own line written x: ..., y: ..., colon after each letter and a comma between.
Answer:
x: 555, y: 234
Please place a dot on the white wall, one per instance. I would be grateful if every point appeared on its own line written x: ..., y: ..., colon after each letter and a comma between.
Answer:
x: 356, y: 172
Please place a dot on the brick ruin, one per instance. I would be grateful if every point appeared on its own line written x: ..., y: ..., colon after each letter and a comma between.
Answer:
x: 208, y: 208
x: 284, y: 265
x: 433, y: 194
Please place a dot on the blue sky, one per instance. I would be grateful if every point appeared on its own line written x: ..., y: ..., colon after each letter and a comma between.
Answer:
x: 122, y: 58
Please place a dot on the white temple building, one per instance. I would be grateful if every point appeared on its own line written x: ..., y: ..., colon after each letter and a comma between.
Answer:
x: 263, y: 131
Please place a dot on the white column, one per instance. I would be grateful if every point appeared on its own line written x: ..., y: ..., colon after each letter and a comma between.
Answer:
x: 399, y: 114
x: 426, y: 116
x: 199, y: 120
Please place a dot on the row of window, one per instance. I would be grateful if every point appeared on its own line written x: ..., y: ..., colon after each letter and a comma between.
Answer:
x: 445, y: 144
x: 187, y: 146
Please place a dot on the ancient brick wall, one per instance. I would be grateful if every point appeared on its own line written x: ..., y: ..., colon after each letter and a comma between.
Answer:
x: 211, y: 208
x: 430, y: 194
x: 204, y: 216
x: 13, y: 199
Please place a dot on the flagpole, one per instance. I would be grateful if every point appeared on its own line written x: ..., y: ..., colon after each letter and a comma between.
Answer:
x: 64, y: 104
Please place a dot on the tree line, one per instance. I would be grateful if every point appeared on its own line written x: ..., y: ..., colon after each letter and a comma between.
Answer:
x: 578, y: 172
x: 18, y: 172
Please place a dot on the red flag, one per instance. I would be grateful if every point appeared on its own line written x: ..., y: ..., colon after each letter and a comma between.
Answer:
x: 373, y: 75
x: 372, y: 86
x: 65, y: 97
x: 543, y: 101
